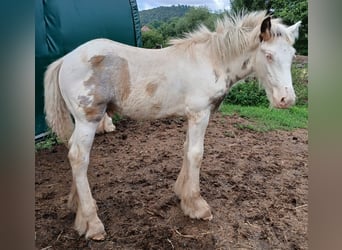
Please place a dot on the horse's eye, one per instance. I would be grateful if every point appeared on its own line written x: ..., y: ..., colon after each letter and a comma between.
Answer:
x: 269, y: 57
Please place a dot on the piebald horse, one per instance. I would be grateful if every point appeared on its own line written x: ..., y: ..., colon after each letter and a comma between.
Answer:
x: 190, y: 78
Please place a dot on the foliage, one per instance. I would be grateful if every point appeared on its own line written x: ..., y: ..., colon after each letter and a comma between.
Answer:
x: 152, y: 38
x: 290, y: 11
x: 265, y: 119
x: 47, y: 142
x: 162, y: 14
x: 194, y: 18
x: 247, y: 93
x: 238, y: 5
x: 178, y: 26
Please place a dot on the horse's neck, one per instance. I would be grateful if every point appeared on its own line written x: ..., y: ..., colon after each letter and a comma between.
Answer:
x: 240, y: 67
x: 233, y: 69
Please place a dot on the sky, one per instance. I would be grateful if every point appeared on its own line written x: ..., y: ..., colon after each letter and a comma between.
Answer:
x: 213, y: 5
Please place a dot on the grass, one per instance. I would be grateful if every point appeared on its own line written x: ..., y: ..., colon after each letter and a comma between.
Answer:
x: 48, y: 142
x: 264, y: 119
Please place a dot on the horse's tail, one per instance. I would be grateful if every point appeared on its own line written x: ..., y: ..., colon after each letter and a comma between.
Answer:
x: 57, y: 114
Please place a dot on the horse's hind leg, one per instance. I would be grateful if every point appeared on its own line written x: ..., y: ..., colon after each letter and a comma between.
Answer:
x: 187, y: 184
x: 105, y: 126
x: 87, y: 222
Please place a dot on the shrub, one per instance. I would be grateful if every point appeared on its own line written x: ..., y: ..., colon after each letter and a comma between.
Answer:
x: 247, y: 93
x: 151, y: 39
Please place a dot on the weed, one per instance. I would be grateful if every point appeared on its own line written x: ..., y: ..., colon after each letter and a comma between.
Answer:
x: 47, y: 142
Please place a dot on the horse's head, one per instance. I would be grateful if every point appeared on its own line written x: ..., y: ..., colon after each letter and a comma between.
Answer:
x: 273, y: 61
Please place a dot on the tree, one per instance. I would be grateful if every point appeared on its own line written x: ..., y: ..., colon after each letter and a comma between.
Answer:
x: 192, y: 20
x: 292, y: 12
x: 177, y: 26
x: 249, y: 5
x: 151, y: 39
x: 163, y: 30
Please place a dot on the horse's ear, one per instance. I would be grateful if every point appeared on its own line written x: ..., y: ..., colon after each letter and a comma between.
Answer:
x: 265, y: 30
x: 294, y: 30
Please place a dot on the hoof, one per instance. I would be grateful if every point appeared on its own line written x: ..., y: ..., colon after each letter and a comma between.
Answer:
x: 92, y: 229
x: 208, y: 216
x: 196, y: 208
x: 95, y: 230
x: 109, y: 128
x: 97, y: 237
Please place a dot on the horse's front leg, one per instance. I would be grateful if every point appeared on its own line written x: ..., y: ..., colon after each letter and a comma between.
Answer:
x: 187, y: 184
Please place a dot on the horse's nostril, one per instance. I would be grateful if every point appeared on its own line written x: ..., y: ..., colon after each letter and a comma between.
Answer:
x: 282, y: 100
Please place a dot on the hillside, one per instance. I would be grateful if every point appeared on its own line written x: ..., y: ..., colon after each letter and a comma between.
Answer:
x: 162, y: 14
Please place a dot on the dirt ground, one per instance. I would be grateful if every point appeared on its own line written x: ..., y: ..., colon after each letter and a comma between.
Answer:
x: 256, y: 184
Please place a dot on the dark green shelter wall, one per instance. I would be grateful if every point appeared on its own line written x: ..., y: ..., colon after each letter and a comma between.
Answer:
x: 63, y: 25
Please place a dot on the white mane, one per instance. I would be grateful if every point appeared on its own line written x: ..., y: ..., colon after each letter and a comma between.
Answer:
x: 233, y: 35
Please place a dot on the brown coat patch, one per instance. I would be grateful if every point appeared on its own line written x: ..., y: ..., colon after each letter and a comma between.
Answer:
x: 265, y: 29
x: 245, y: 64
x: 237, y: 78
x: 94, y: 113
x: 111, y: 109
x: 229, y: 82
x: 156, y: 108
x: 216, y: 74
x: 96, y: 60
x: 265, y: 36
x: 108, y: 85
x: 124, y: 81
x: 84, y: 100
x: 216, y: 102
x: 151, y: 88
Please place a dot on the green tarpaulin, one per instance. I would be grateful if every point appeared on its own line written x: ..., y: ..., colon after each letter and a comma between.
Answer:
x: 62, y: 25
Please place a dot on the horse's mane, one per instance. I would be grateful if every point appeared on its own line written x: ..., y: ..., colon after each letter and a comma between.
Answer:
x: 233, y: 34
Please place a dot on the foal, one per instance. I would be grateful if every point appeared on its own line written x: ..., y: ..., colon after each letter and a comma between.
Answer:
x: 190, y: 78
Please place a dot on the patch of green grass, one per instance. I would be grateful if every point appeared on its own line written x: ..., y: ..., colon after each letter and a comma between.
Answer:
x: 266, y: 119
x: 116, y: 118
x: 48, y: 142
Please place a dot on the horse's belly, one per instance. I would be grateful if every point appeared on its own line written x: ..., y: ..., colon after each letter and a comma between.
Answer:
x: 150, y: 110
x: 140, y: 105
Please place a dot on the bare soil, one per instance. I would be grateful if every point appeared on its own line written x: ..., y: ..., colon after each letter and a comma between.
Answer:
x: 299, y: 59
x: 256, y: 184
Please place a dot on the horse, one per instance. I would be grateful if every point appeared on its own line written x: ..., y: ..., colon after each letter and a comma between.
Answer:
x: 189, y: 79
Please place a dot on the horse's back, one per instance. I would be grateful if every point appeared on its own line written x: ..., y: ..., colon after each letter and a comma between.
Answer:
x: 138, y: 83
x: 96, y: 47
